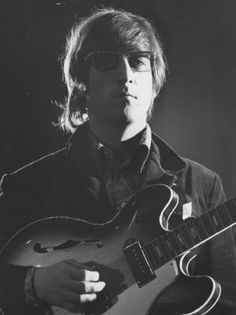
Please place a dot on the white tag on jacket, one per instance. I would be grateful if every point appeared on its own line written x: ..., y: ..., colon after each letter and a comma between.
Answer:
x: 187, y: 210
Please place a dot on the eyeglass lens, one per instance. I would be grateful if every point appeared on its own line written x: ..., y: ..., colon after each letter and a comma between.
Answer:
x: 108, y: 61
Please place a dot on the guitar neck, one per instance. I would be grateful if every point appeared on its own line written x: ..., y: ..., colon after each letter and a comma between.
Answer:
x: 190, y: 234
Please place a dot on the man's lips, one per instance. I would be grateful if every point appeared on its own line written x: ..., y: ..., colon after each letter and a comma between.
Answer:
x: 126, y: 95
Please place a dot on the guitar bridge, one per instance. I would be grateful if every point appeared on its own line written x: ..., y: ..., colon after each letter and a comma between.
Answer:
x: 138, y: 262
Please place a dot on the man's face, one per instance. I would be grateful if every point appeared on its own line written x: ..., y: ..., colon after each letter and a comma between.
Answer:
x: 120, y: 95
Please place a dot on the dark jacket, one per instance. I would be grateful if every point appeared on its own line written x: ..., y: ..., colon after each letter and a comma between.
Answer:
x: 68, y: 183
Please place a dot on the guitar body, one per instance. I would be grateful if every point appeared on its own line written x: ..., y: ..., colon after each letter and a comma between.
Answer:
x: 101, y: 246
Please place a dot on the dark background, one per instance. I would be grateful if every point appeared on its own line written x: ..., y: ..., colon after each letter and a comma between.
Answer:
x: 195, y: 112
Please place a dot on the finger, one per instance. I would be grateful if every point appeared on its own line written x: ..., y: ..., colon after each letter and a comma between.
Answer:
x: 85, y: 298
x: 83, y: 274
x: 74, y: 298
x: 91, y: 275
x: 82, y: 271
x: 90, y: 287
x: 74, y: 301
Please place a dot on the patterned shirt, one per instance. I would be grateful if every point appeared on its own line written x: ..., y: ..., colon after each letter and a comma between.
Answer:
x: 122, y: 179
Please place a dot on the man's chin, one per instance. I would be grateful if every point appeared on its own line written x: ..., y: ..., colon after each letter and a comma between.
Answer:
x: 132, y: 114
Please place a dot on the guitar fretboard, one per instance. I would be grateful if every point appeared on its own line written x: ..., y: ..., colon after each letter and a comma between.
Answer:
x: 190, y: 234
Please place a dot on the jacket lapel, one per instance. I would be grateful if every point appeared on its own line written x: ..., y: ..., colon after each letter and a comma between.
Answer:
x: 163, y: 164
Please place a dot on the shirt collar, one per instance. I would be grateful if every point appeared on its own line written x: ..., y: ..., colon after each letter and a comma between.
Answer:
x: 168, y: 158
x: 145, y: 139
x: 140, y: 154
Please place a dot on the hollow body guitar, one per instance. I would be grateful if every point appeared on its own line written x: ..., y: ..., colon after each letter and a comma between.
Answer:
x: 135, y: 254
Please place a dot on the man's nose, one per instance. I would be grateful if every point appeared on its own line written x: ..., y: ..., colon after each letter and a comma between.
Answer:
x: 125, y: 72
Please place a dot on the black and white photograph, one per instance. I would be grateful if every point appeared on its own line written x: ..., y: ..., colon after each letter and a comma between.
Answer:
x: 117, y: 157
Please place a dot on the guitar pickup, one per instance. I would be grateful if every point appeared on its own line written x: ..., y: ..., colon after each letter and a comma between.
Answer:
x: 138, y: 263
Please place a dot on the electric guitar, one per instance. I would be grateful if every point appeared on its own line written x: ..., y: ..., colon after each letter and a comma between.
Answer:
x: 144, y: 262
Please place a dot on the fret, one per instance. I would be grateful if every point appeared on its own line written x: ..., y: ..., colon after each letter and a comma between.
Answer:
x: 206, y: 220
x: 176, y: 243
x: 151, y: 255
x: 224, y: 215
x: 216, y: 211
x: 182, y: 243
x: 157, y: 254
x: 215, y: 220
x: 193, y: 230
x: 158, y: 250
x: 201, y: 220
x: 164, y: 248
x: 186, y: 236
x: 170, y: 243
x: 201, y: 229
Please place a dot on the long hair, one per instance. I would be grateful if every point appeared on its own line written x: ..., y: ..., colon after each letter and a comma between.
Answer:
x: 104, y: 29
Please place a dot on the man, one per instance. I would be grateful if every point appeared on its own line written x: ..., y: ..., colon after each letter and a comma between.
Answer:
x: 114, y: 68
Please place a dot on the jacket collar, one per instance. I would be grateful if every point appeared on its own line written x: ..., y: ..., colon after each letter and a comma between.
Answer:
x: 170, y: 161
x: 167, y: 159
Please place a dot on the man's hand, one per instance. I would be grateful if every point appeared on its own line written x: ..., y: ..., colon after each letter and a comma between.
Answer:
x: 67, y: 284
